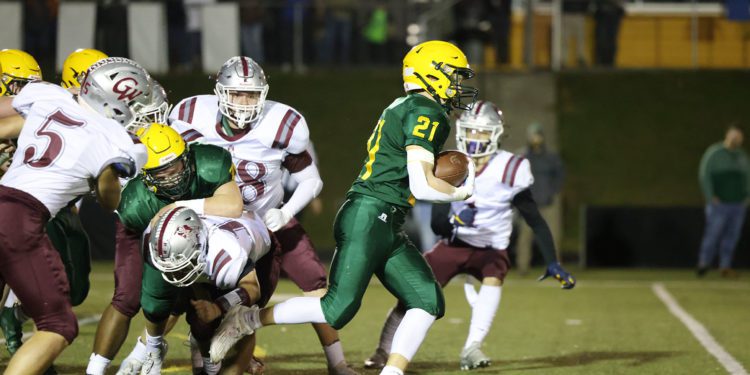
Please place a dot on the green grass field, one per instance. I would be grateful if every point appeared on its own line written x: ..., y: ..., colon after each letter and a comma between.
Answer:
x: 611, y: 323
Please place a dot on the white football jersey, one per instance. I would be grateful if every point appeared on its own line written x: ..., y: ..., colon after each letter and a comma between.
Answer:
x: 234, y: 247
x: 63, y: 147
x: 504, y: 176
x: 257, y: 154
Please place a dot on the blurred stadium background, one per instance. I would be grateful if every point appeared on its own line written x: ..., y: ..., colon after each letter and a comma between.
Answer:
x: 630, y: 94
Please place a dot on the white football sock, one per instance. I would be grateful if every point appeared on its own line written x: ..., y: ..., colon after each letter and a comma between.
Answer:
x: 411, y: 332
x: 97, y: 365
x: 470, y: 292
x: 299, y: 310
x: 334, y: 353
x: 11, y: 300
x: 391, y: 370
x: 389, y: 328
x: 153, y: 343
x: 483, y: 313
x: 139, y: 351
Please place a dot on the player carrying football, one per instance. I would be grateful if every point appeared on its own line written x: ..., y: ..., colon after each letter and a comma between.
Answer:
x: 368, y: 228
x: 477, y: 231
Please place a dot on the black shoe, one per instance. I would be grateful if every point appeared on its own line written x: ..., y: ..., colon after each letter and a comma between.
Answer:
x: 50, y: 370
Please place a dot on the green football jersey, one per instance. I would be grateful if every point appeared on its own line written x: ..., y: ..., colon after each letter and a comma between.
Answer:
x: 213, y: 167
x: 409, y: 120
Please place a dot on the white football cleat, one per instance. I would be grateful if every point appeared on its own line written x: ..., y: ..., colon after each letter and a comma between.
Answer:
x: 233, y: 328
x: 130, y: 366
x: 154, y: 360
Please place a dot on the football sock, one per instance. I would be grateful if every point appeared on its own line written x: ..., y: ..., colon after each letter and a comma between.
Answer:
x: 411, y: 332
x: 97, y: 365
x: 334, y: 353
x: 153, y: 343
x: 391, y: 370
x: 470, y: 292
x: 299, y: 310
x: 389, y: 328
x: 483, y: 313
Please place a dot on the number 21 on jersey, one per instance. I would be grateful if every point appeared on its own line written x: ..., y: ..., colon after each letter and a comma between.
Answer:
x: 424, y: 123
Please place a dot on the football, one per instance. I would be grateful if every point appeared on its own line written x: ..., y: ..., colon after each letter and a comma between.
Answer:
x: 452, y: 167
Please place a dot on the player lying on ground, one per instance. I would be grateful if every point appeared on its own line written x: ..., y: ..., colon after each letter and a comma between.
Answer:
x: 200, y: 177
x: 66, y: 143
x: 368, y: 228
x: 266, y: 138
x: 477, y: 231
x: 213, y: 263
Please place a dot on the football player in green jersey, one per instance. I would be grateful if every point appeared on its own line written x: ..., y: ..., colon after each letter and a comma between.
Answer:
x: 200, y: 177
x: 368, y: 228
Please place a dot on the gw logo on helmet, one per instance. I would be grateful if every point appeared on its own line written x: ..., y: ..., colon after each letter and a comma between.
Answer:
x: 124, y: 90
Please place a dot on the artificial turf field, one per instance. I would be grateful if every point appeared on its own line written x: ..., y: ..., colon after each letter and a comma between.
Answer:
x: 611, y: 323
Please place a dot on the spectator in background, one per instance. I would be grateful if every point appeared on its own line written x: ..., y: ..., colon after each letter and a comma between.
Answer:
x: 375, y: 34
x: 500, y: 18
x: 574, y: 27
x: 548, y: 172
x: 608, y: 15
x: 337, y: 35
x: 40, y: 30
x: 251, y: 18
x: 179, y: 51
x: 194, y: 27
x: 724, y: 172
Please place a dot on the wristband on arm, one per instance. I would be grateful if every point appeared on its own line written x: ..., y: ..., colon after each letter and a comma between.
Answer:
x: 236, y: 297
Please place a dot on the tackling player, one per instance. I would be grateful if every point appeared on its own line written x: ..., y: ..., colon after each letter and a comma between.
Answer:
x: 266, y: 138
x: 368, y: 228
x: 477, y: 231
x: 66, y: 142
x: 200, y: 177
x: 216, y: 263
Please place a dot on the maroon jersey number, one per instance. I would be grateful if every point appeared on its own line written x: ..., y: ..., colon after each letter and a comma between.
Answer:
x: 55, y: 144
x: 250, y: 175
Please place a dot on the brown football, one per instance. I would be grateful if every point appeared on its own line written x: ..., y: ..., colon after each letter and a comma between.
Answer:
x: 452, y: 167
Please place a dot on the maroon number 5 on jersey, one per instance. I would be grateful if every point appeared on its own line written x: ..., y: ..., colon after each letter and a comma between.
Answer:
x: 55, y: 142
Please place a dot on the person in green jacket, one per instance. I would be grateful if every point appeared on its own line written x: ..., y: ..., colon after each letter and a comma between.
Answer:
x: 724, y: 177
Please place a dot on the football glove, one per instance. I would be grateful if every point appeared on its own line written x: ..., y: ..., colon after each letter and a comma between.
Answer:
x: 554, y: 269
x: 276, y: 219
x: 464, y: 218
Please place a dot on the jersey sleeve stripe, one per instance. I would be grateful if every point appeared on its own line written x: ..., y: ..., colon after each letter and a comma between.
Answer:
x: 191, y: 135
x: 187, y: 109
x: 286, y: 128
x: 219, y: 257
x: 515, y: 169
x: 221, y: 265
x: 508, y: 169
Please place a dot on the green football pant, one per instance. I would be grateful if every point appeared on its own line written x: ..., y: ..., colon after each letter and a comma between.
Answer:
x: 157, y: 295
x: 70, y: 240
x: 370, y: 240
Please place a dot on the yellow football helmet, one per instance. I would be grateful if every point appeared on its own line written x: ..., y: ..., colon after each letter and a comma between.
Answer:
x: 168, y: 171
x: 439, y: 68
x: 18, y: 68
x: 76, y: 65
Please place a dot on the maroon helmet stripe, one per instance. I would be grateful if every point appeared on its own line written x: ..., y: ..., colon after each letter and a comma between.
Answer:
x: 245, y: 68
x: 159, y: 248
x: 515, y: 169
x: 479, y: 107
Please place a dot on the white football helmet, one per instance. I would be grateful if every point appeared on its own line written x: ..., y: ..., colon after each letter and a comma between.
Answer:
x: 478, y: 130
x: 241, y: 74
x: 155, y: 110
x: 178, y: 246
x: 112, y: 85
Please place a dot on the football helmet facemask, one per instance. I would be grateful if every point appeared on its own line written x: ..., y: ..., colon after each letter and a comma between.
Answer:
x: 168, y: 171
x: 478, y: 130
x: 440, y: 68
x: 17, y: 68
x: 76, y: 65
x: 242, y: 88
x: 154, y: 111
x: 178, y: 246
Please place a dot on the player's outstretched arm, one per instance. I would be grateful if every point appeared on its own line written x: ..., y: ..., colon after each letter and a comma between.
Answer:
x: 108, y: 188
x: 423, y: 183
x: 526, y: 206
x: 309, y: 185
x: 226, y: 202
x: 247, y: 293
x: 10, y: 126
x: 6, y: 106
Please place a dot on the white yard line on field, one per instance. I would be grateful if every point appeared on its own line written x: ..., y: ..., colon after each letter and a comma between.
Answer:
x: 81, y: 322
x: 699, y: 331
